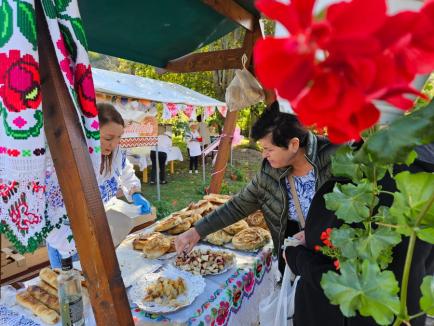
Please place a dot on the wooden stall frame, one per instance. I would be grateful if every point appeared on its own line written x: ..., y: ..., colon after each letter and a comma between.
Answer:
x: 74, y: 168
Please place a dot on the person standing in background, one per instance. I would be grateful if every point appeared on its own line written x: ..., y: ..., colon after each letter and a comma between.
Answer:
x: 204, y: 132
x: 164, y: 145
x: 193, y: 139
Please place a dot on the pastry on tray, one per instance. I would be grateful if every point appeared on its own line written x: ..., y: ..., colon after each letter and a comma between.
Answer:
x: 49, y: 276
x: 205, y: 262
x: 181, y: 227
x: 168, y: 223
x: 219, y: 238
x: 48, y: 299
x: 156, y: 246
x: 251, y: 238
x: 141, y: 239
x: 257, y: 219
x: 164, y: 291
x: 236, y: 227
x: 194, y: 218
x: 217, y: 198
x: 48, y: 315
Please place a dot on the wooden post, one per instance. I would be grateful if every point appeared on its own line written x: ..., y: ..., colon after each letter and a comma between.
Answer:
x: 79, y: 188
x: 231, y: 119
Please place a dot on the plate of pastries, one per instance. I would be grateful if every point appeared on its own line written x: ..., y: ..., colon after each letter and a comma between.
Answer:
x: 204, y: 260
x: 41, y: 299
x: 166, y: 291
x: 249, y: 234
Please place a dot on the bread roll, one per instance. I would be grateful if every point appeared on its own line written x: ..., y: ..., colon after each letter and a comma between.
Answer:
x: 46, y: 298
x: 218, y: 238
x: 181, y: 227
x: 48, y: 288
x: 168, y: 223
x: 156, y: 246
x: 236, y: 227
x: 49, y: 276
x: 47, y: 315
x: 250, y: 239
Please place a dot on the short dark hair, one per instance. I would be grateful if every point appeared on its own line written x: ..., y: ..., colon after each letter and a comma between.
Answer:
x: 282, y: 126
x: 199, y: 118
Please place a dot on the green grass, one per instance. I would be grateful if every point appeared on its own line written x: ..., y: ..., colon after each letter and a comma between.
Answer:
x: 183, y: 188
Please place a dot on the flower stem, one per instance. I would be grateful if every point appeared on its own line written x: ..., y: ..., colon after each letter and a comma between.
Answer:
x: 403, y: 314
x: 388, y: 225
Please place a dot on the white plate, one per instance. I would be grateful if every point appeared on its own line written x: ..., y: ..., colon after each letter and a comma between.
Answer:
x: 195, y: 285
x: 206, y: 248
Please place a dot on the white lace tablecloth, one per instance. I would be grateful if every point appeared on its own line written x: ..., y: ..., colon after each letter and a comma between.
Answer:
x: 141, y: 156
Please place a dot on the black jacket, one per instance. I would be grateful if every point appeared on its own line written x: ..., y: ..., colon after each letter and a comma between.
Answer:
x: 312, y: 307
x: 267, y: 191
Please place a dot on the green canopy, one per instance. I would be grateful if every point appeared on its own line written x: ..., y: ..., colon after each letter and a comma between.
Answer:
x: 153, y: 31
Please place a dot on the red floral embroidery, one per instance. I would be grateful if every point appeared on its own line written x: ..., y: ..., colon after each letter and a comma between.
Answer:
x: 20, y: 81
x: 7, y: 190
x: 66, y: 63
x: 85, y: 90
x: 222, y: 313
x: 332, y: 69
x: 13, y: 152
x: 20, y: 215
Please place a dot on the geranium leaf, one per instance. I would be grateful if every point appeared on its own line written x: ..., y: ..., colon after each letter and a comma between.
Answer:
x: 372, y: 245
x: 370, y: 291
x: 351, y: 202
x: 344, y: 238
x: 427, y: 300
x: 394, y: 143
x: 26, y: 22
x: 343, y: 165
x: 415, y: 191
x: 6, y: 19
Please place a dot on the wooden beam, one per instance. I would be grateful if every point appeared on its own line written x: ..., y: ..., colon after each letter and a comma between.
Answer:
x: 79, y: 188
x: 207, y: 61
x: 233, y: 11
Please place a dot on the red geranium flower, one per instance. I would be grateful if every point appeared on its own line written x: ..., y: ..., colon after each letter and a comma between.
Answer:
x: 20, y: 82
x: 85, y: 90
x: 337, y: 264
x: 331, y: 70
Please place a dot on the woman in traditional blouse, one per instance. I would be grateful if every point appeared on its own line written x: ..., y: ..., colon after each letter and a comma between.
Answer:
x: 116, y: 175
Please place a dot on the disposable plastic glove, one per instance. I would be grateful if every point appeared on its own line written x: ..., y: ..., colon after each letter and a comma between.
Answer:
x: 139, y: 200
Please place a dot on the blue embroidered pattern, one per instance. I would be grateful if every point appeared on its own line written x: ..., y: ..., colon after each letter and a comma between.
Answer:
x: 305, y: 187
x: 109, y: 187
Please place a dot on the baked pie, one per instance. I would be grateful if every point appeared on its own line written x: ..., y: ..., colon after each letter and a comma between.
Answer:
x: 181, y: 227
x: 251, y: 238
x: 219, y: 238
x: 236, y: 227
x: 168, y: 223
x: 217, y: 198
x: 156, y: 246
x: 141, y: 239
x: 257, y: 219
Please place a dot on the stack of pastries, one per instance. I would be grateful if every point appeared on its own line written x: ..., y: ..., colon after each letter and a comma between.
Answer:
x: 42, y: 299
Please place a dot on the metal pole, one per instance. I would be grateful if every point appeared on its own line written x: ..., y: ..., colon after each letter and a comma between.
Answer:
x: 203, y: 164
x: 157, y: 163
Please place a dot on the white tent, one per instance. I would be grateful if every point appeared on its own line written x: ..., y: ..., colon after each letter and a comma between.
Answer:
x: 116, y: 83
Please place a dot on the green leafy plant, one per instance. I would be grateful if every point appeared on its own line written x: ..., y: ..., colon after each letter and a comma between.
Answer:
x: 164, y: 208
x: 365, y: 241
